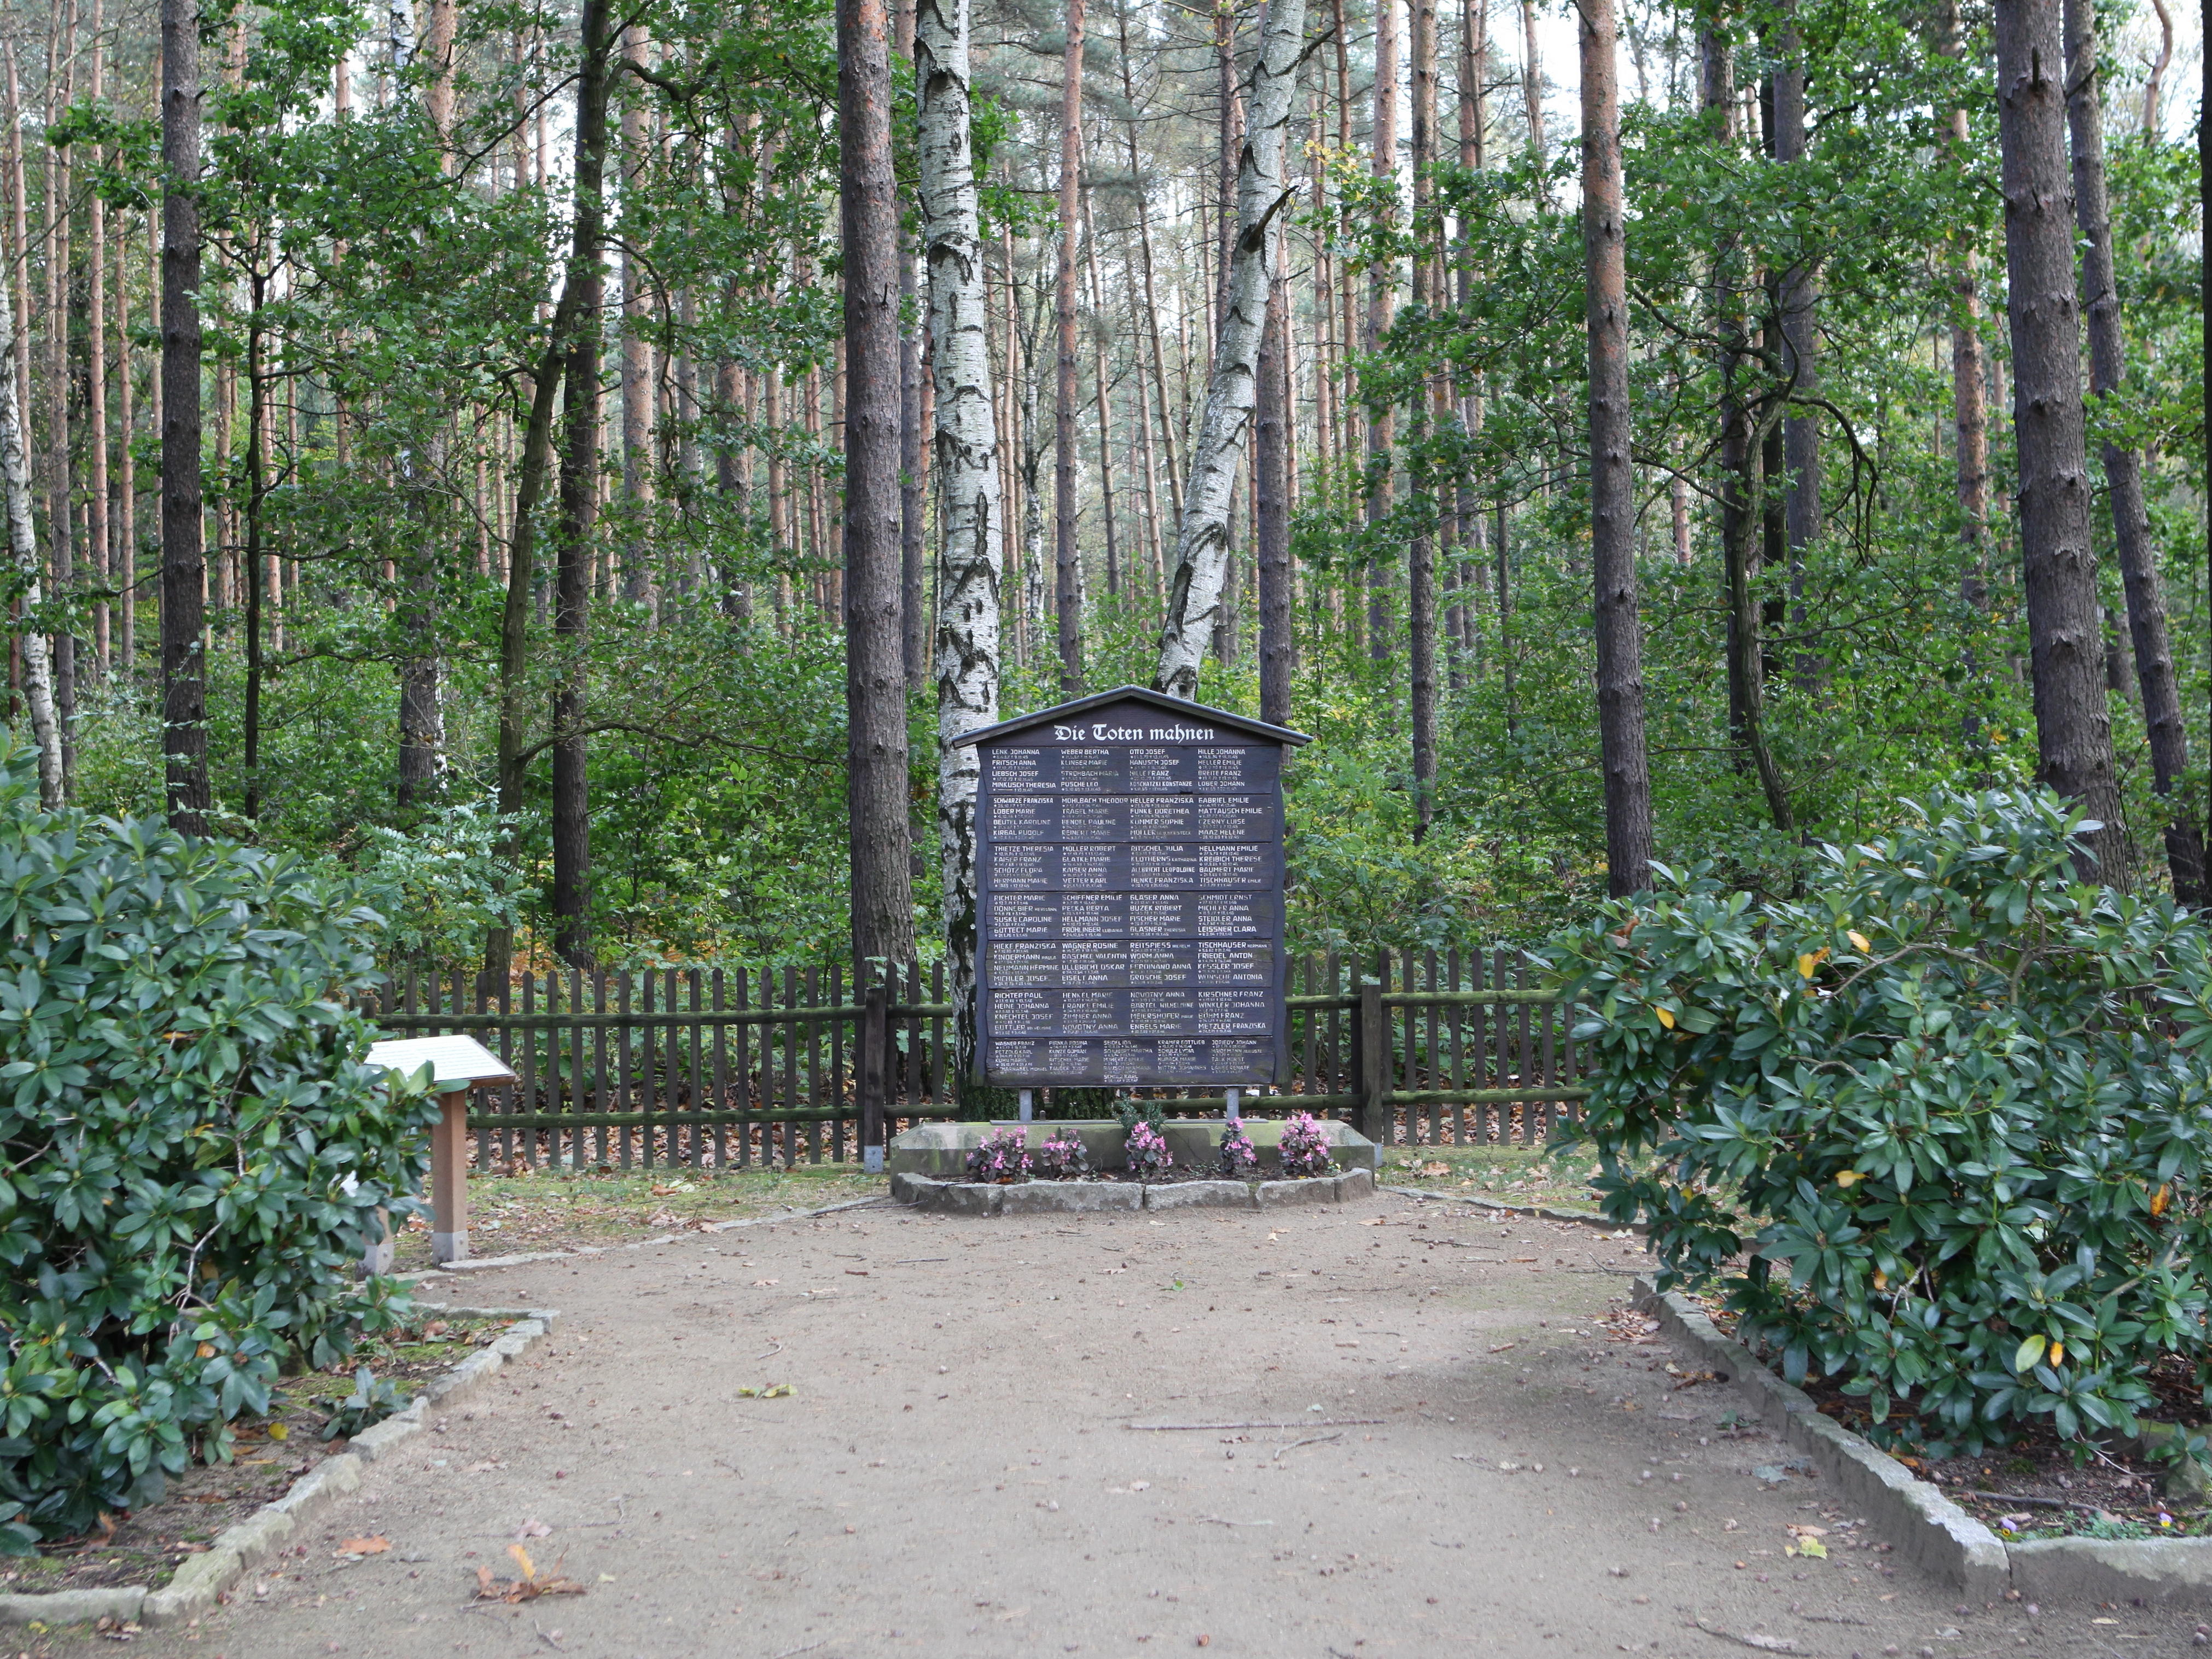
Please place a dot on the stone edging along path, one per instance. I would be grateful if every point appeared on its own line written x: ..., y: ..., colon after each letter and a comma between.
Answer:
x: 1092, y: 1197
x: 1930, y: 1528
x: 202, y: 1579
x: 1928, y: 1525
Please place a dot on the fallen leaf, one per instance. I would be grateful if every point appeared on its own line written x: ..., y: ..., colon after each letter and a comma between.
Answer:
x: 534, y: 1529
x: 762, y: 1284
x: 375, y: 1546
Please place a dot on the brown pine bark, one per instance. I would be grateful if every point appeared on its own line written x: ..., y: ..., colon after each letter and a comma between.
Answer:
x: 1067, y: 580
x: 1612, y: 482
x: 913, y: 435
x: 184, y: 567
x: 98, y: 540
x: 1271, y: 496
x: 2074, y: 727
x: 1421, y: 552
x: 1381, y: 291
x: 876, y: 787
x: 1799, y: 294
x: 639, y: 471
x: 2124, y: 484
x: 579, y: 465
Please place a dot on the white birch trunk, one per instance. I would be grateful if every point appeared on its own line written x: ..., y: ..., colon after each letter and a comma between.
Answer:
x: 38, y: 663
x: 1202, y: 537
x: 966, y: 461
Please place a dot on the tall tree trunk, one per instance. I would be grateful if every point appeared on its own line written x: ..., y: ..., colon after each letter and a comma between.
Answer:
x: 1068, y: 590
x: 1421, y: 553
x: 1969, y: 399
x: 1102, y: 389
x: 1613, y: 475
x: 2074, y: 726
x: 968, y: 563
x: 1532, y: 79
x: 579, y: 466
x: 257, y: 390
x: 2124, y: 484
x: 1382, y: 288
x: 61, y: 470
x: 1271, y: 494
x: 638, y: 471
x: 23, y: 552
x: 98, y: 547
x: 876, y: 787
x: 184, y: 566
x: 126, y: 469
x: 1202, y: 538
x: 1800, y: 293
x: 913, y: 619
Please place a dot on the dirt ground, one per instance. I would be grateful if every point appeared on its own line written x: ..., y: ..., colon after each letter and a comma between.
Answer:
x: 1486, y: 1454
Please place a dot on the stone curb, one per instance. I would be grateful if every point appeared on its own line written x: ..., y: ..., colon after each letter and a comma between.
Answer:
x: 200, y: 1582
x: 1094, y: 1197
x: 1931, y: 1530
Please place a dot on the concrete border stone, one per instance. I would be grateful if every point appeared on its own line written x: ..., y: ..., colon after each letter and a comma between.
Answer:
x: 200, y: 1581
x: 2117, y: 1569
x: 923, y: 1192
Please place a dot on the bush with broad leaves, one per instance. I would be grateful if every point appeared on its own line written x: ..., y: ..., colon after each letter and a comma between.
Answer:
x: 192, y: 1153
x: 1937, y: 1128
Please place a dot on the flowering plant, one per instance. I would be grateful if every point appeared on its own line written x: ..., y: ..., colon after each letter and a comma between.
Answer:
x: 1062, y: 1157
x: 1148, y: 1152
x: 1305, y: 1146
x: 1002, y: 1156
x: 1237, y: 1157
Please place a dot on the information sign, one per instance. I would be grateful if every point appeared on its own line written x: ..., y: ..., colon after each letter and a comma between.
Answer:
x: 1130, y: 869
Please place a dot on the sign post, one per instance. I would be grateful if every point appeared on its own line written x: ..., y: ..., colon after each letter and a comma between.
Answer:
x: 457, y: 1064
x: 1130, y: 877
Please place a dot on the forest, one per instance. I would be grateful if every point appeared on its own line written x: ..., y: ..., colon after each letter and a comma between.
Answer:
x: 576, y: 467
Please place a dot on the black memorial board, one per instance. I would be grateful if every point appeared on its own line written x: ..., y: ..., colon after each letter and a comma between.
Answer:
x: 1130, y: 874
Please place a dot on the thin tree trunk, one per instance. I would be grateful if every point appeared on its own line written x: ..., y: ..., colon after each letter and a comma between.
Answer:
x: 876, y: 787
x: 184, y: 567
x: 638, y: 471
x: 61, y: 490
x: 1271, y: 497
x: 1532, y: 79
x: 1969, y: 400
x: 1202, y: 538
x: 1101, y: 390
x: 1421, y: 553
x: 126, y: 490
x: 98, y: 547
x: 1613, y: 475
x: 23, y: 551
x: 579, y: 465
x: 2074, y: 728
x: 1800, y: 295
x: 256, y: 389
x: 1381, y: 284
x: 970, y: 505
x: 913, y: 619
x: 1068, y: 590
x: 2123, y: 483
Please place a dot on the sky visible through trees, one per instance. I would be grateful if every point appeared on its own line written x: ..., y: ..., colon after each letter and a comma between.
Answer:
x: 517, y: 565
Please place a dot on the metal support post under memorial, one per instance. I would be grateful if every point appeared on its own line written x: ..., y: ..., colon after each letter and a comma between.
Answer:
x: 874, y: 1061
x: 1371, y: 1038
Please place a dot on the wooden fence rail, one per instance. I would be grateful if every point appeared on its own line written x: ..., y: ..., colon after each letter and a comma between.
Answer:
x: 734, y: 1067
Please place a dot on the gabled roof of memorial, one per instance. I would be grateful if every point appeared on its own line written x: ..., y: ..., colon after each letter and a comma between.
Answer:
x: 1159, y: 700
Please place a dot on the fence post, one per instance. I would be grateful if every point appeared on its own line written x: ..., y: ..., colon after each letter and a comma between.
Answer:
x: 1371, y: 1038
x: 868, y: 1072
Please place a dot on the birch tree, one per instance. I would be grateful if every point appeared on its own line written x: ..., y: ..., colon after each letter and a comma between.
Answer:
x: 1232, y: 390
x: 38, y: 663
x: 967, y: 458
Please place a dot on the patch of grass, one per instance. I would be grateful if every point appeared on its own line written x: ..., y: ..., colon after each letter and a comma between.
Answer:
x: 1509, y: 1174
x: 558, y: 1209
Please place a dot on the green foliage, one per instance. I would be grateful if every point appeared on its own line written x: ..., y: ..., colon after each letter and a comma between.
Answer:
x: 442, y: 888
x: 1957, y: 1095
x: 193, y: 1154
x: 372, y: 1400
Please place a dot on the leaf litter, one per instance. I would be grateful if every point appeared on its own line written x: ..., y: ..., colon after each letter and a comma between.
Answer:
x: 527, y: 1588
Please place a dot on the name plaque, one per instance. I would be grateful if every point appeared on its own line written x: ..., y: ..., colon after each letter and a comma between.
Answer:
x: 1130, y: 879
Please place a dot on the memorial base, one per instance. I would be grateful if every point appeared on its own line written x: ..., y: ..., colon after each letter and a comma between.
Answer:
x: 940, y: 1150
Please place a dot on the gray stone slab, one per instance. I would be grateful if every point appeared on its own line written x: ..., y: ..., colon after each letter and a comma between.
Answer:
x: 1314, y: 1190
x: 2113, y: 1569
x: 1355, y: 1184
x: 1069, y: 1198
x: 74, y: 1606
x: 1198, y: 1195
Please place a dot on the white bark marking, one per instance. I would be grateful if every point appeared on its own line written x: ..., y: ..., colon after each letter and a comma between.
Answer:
x: 1202, y: 537
x: 38, y: 663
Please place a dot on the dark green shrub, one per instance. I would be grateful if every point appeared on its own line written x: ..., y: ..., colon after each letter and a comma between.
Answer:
x: 192, y: 1153
x: 1956, y: 1096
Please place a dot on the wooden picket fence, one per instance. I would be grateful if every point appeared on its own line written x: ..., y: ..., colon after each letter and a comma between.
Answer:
x: 735, y: 1067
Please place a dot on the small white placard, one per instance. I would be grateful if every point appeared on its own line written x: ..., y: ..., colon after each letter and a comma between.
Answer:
x: 456, y: 1063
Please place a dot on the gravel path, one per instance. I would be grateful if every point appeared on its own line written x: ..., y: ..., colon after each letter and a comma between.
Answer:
x: 1485, y: 1455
